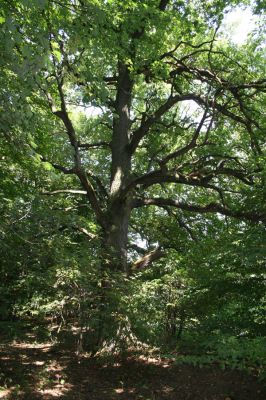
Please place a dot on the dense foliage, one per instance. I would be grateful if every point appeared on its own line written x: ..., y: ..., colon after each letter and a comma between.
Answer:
x: 133, y: 173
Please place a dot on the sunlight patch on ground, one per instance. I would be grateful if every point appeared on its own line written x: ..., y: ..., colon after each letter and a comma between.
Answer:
x: 155, y: 361
x: 24, y: 345
x: 4, y: 393
x: 57, y: 391
x: 55, y: 366
x: 119, y: 390
x: 167, y: 389
x: 38, y: 363
x: 53, y: 381
x: 6, y: 358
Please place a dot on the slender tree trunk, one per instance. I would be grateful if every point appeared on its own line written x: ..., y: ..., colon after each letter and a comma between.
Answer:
x: 181, y: 324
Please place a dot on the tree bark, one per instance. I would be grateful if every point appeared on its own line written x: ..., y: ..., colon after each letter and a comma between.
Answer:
x: 117, y: 236
x: 119, y: 208
x: 121, y: 158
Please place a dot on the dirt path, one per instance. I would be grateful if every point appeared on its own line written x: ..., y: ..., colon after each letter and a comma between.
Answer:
x: 38, y: 371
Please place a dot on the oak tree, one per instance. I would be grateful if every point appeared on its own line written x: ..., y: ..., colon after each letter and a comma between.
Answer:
x: 134, y: 106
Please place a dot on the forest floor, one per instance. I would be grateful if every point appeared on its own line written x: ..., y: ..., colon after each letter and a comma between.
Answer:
x: 31, y: 369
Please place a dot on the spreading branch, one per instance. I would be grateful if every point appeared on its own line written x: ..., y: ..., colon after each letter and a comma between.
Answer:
x: 192, y: 144
x: 160, y: 176
x: 201, y: 209
x: 148, y: 122
x: 61, y: 168
x: 62, y: 114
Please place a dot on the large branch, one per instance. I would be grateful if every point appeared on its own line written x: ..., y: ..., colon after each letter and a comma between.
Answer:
x: 159, y: 176
x: 148, y: 259
x: 201, y: 209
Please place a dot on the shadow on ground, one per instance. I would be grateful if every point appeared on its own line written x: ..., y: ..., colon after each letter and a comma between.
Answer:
x: 32, y: 370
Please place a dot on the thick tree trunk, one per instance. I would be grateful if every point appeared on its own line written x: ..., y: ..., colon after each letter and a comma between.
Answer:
x: 116, y: 218
x: 119, y: 210
x: 114, y: 260
x: 121, y: 158
x: 117, y: 236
